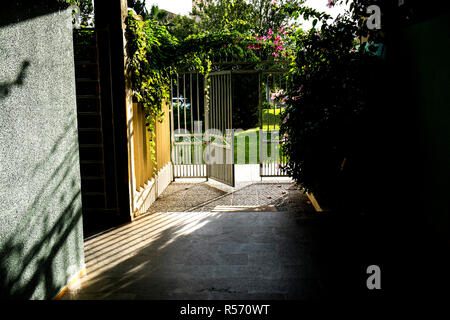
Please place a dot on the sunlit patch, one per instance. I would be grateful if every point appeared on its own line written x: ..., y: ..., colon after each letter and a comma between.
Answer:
x: 244, y: 208
x: 155, y: 231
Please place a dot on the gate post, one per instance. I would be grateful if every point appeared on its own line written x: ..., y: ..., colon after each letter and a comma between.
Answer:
x: 260, y: 122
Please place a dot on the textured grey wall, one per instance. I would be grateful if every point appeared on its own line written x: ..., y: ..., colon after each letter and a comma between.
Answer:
x: 429, y: 82
x: 41, y: 236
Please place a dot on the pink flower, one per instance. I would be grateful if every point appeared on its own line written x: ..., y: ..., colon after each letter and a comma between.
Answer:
x: 295, y: 98
x: 330, y: 3
x: 275, y: 54
x: 276, y: 94
x: 300, y: 89
x: 274, y: 3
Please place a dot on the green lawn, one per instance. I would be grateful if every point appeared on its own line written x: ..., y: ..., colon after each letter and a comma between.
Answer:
x: 271, y: 119
x: 246, y: 143
x: 242, y: 147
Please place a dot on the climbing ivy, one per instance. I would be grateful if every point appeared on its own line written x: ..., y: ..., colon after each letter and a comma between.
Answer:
x: 147, y: 44
x: 154, y: 55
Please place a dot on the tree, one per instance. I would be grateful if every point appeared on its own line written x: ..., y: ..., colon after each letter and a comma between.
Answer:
x: 268, y: 14
x: 328, y: 124
x: 158, y: 14
x: 245, y: 16
x: 86, y: 11
x: 139, y: 7
x: 182, y: 26
x: 214, y: 15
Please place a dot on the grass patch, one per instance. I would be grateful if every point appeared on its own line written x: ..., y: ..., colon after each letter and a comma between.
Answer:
x: 246, y: 143
x: 271, y: 119
x: 246, y: 146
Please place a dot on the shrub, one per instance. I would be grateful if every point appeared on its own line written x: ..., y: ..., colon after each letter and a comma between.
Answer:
x: 329, y: 102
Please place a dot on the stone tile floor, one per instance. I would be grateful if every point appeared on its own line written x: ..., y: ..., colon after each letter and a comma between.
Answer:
x: 199, y: 242
x: 272, y: 195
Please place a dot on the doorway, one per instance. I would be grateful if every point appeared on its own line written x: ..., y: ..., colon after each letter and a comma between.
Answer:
x: 227, y: 123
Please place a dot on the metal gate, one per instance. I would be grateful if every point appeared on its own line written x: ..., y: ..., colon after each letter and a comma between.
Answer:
x: 203, y: 144
x: 271, y: 157
x: 187, y: 125
x: 220, y: 134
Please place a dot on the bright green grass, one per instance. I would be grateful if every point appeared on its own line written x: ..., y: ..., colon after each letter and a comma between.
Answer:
x: 243, y: 145
x: 271, y: 119
x: 248, y: 148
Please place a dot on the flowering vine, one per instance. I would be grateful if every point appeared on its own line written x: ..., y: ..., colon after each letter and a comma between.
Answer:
x: 276, y: 41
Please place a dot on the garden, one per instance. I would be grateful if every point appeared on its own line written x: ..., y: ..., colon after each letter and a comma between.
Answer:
x: 324, y: 106
x: 322, y: 111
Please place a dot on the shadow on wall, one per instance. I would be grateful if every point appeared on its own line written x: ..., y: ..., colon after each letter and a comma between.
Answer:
x: 41, y: 236
x: 6, y: 87
x: 45, y: 241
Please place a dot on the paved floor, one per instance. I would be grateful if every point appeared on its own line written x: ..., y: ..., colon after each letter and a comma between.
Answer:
x: 218, y: 251
x: 199, y: 242
x: 270, y: 195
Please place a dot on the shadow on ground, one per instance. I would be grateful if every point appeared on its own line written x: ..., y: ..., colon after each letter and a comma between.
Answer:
x: 203, y: 255
x: 280, y: 255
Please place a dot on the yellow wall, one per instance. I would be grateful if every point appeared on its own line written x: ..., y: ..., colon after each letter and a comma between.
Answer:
x: 144, y: 168
x: 148, y: 182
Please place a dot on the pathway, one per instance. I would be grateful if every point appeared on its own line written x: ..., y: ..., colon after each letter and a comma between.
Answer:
x: 200, y: 242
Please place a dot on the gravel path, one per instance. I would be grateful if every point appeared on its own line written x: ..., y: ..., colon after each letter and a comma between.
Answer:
x: 256, y: 196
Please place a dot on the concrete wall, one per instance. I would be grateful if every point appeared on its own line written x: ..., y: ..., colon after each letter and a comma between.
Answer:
x: 41, y: 236
x: 415, y: 126
x: 428, y: 77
